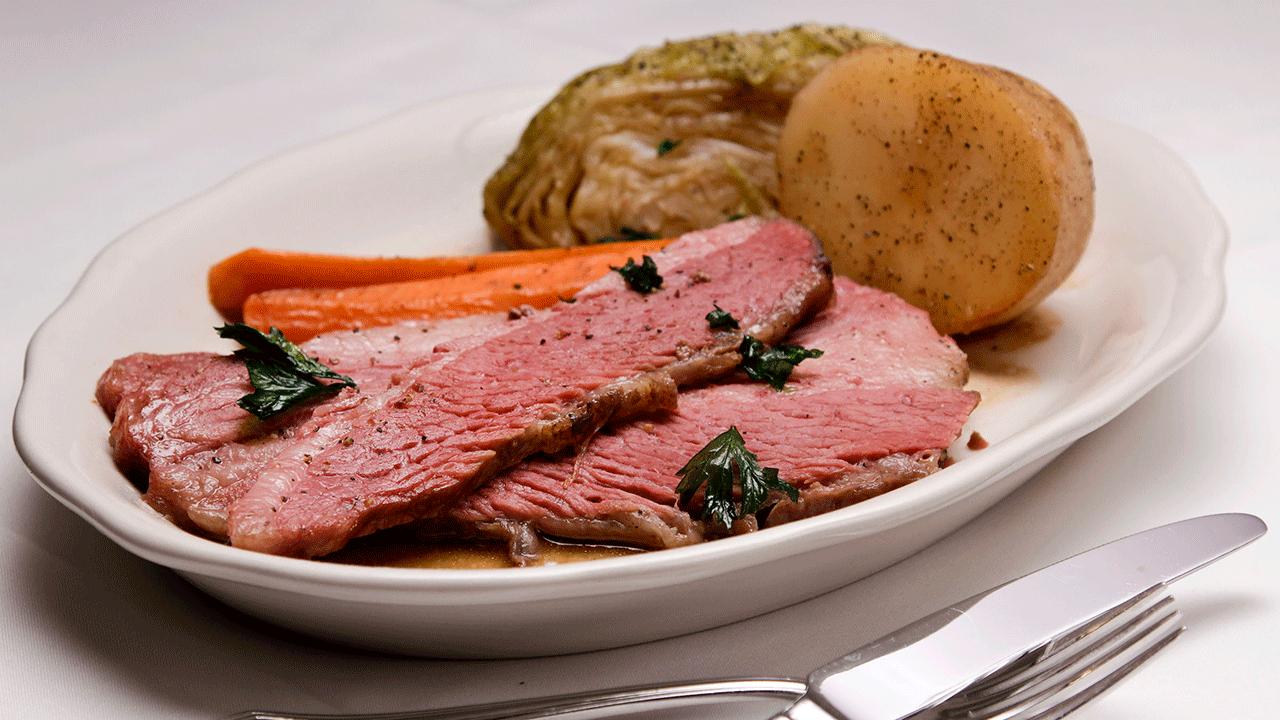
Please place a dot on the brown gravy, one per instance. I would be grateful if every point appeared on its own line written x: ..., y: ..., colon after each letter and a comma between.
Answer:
x: 464, y: 554
x: 994, y: 369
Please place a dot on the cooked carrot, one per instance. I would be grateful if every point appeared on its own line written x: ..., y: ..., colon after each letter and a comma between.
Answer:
x: 255, y: 270
x: 304, y: 313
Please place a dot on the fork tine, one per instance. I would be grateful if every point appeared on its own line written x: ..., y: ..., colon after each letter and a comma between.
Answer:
x: 1156, y: 630
x: 1045, y: 671
x: 1072, y: 697
x: 1072, y: 644
x: 1151, y: 625
x: 1040, y: 670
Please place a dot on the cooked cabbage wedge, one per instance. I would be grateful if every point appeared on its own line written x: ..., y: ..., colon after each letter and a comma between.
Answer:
x: 672, y: 139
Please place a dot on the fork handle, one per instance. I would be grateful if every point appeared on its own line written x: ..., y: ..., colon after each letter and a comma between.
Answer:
x: 548, y: 707
x: 805, y: 709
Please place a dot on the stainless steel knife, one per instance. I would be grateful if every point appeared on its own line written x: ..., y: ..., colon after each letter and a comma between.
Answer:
x: 934, y: 659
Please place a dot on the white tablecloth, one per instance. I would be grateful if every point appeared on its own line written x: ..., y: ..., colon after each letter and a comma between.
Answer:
x: 112, y: 111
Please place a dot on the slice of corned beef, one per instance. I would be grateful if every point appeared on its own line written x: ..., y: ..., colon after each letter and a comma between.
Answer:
x: 873, y: 413
x: 546, y: 381
x: 176, y: 427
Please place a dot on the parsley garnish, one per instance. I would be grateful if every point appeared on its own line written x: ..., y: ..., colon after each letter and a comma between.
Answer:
x: 721, y: 319
x: 772, y: 365
x: 626, y: 234
x: 714, y: 466
x: 667, y: 146
x: 283, y: 377
x: 642, y: 278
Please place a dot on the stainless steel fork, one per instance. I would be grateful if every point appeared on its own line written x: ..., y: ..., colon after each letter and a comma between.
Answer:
x: 1053, y: 681
x: 1045, y: 684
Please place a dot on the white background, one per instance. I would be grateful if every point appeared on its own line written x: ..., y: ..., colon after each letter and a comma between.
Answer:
x: 112, y: 111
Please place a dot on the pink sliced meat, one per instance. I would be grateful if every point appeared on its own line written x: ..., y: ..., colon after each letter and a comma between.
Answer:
x: 876, y: 411
x: 176, y: 426
x: 544, y: 382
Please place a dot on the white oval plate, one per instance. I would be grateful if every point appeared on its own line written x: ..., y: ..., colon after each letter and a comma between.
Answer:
x: 1146, y: 296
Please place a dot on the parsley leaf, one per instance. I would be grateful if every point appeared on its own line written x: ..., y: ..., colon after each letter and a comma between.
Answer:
x: 667, y: 146
x: 283, y: 377
x: 772, y: 365
x: 714, y: 466
x: 642, y: 278
x: 626, y: 234
x: 721, y: 319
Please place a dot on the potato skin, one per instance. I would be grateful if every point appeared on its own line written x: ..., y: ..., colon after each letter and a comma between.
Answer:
x: 966, y: 189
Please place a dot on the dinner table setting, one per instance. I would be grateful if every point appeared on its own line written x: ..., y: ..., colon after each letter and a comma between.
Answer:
x: 143, y: 140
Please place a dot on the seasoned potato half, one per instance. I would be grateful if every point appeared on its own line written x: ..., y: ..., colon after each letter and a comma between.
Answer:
x: 964, y: 188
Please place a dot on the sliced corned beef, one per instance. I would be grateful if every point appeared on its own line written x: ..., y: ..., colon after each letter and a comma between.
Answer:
x: 544, y: 382
x: 873, y: 413
x: 176, y: 426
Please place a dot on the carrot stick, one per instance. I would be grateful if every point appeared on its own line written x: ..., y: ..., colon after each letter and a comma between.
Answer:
x: 303, y: 313
x: 255, y: 270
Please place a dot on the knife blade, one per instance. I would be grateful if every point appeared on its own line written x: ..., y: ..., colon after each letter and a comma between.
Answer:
x: 933, y: 659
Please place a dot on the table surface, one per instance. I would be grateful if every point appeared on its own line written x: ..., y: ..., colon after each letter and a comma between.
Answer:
x: 114, y: 111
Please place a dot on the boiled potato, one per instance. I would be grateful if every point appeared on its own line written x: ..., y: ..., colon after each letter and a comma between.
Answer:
x: 963, y: 188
